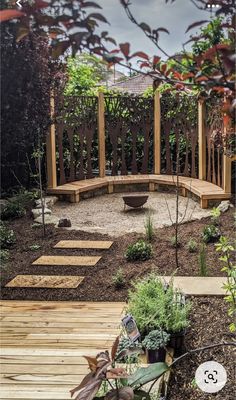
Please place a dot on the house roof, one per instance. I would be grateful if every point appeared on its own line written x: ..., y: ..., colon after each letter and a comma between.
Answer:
x: 136, y: 84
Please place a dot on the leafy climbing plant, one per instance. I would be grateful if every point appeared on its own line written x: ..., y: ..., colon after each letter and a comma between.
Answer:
x: 227, y: 250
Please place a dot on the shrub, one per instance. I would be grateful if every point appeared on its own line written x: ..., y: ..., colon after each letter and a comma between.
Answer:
x: 119, y: 279
x: 34, y: 247
x: 174, y: 242
x: 156, y: 339
x: 149, y: 228
x: 215, y: 215
x: 125, y: 343
x: 140, y: 250
x: 210, y: 233
x: 7, y: 236
x: 155, y: 305
x: 12, y: 210
x: 192, y: 246
x: 203, y: 269
x: 4, y: 255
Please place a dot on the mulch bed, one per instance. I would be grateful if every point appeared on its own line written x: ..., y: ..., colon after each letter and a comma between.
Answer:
x: 98, y: 284
x: 209, y: 325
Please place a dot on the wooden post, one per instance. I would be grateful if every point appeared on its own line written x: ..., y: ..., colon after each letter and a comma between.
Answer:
x: 101, y: 136
x: 51, y: 150
x: 157, y: 133
x: 201, y: 140
x: 227, y: 172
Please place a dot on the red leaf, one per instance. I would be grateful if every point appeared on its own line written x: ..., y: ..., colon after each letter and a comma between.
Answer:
x: 177, y: 75
x: 40, y: 4
x: 98, y: 16
x: 92, y: 362
x: 114, y: 348
x: 140, y: 54
x: 163, y: 30
x: 201, y: 79
x: 145, y: 27
x: 196, y: 24
x: 156, y: 60
x: 144, y: 64
x: 163, y: 68
x: 178, y: 86
x: 125, y: 48
x: 188, y: 75
x: 5, y: 15
x: 90, y: 4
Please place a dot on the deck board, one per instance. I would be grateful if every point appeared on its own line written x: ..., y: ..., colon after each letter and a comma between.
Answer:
x: 67, y: 260
x: 46, y: 281
x: 45, y: 365
x: 84, y: 244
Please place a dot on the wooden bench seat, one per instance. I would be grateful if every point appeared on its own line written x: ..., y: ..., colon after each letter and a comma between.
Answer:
x: 203, y: 189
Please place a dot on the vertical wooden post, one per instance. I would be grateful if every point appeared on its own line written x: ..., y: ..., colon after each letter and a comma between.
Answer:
x: 51, y: 150
x: 101, y: 136
x: 227, y: 172
x: 201, y: 140
x: 157, y: 133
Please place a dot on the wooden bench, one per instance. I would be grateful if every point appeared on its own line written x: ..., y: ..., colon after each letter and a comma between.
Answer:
x: 204, y: 190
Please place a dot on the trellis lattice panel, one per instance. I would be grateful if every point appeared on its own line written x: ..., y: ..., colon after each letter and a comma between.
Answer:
x: 179, y: 134
x: 129, y: 134
x: 76, y: 138
x: 214, y: 132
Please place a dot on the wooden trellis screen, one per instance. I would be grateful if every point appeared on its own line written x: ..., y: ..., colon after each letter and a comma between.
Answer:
x: 123, y: 135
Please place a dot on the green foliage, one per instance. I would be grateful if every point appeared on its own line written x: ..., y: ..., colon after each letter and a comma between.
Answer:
x: 203, y: 269
x: 192, y: 246
x: 228, y: 255
x: 210, y: 233
x: 174, y: 241
x: 4, y: 256
x: 119, y: 279
x: 215, y: 215
x: 139, y: 251
x: 12, y: 210
x: 34, y: 247
x: 7, y: 236
x: 36, y: 226
x: 156, y: 339
x: 149, y: 228
x: 134, y: 348
x: 157, y: 306
x: 85, y: 73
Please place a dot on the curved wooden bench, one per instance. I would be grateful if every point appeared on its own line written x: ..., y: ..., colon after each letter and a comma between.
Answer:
x: 203, y: 189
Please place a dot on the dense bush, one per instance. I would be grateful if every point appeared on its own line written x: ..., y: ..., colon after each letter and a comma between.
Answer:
x: 7, y: 236
x: 156, y: 339
x: 139, y: 251
x: 155, y: 305
x: 12, y: 210
x: 4, y: 256
x: 192, y: 246
x: 210, y: 233
x: 119, y: 279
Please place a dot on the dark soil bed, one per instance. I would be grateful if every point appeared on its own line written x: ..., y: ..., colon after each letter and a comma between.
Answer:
x: 98, y: 284
x: 209, y: 325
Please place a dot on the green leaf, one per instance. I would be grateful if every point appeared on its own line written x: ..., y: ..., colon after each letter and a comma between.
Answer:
x: 147, y: 374
x: 141, y: 395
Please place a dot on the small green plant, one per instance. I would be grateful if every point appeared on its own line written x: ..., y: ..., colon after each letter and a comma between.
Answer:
x: 155, y: 305
x: 215, y: 215
x: 192, y: 246
x: 125, y: 344
x: 12, y: 210
x: 156, y: 339
x: 140, y: 250
x: 174, y: 242
x: 228, y: 254
x: 34, y: 247
x: 149, y: 228
x: 4, y: 256
x: 35, y: 226
x: 119, y: 279
x: 203, y: 269
x: 210, y: 233
x: 7, y: 236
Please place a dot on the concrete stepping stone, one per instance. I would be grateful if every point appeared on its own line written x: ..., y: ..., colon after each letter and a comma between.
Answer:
x: 67, y: 260
x: 198, y: 285
x: 46, y: 281
x: 84, y: 244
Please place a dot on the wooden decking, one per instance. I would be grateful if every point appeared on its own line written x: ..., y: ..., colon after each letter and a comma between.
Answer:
x: 42, y: 344
x: 203, y: 189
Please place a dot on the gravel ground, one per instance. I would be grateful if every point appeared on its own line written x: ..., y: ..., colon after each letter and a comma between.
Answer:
x: 105, y: 214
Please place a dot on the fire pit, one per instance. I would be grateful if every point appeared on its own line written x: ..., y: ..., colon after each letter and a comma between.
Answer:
x: 135, y: 200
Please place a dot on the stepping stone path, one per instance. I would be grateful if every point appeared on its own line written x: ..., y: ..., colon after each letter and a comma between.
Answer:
x: 83, y: 244
x: 46, y: 281
x: 67, y: 260
x: 198, y: 285
x: 61, y: 281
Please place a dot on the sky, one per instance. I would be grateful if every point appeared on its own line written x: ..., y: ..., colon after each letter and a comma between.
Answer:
x: 175, y: 17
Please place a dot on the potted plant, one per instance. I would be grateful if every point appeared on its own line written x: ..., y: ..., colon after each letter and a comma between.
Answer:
x: 156, y: 305
x: 155, y: 343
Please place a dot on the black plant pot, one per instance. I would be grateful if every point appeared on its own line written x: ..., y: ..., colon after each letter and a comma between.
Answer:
x: 177, y: 342
x: 158, y: 355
